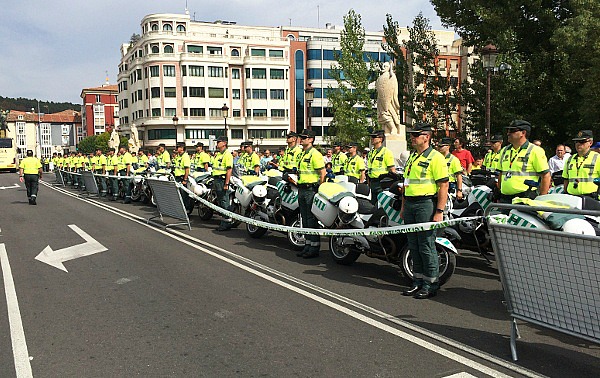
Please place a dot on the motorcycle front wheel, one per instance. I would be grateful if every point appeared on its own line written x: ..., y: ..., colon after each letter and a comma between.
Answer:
x: 255, y: 232
x: 342, y: 254
x: 236, y: 207
x: 136, y: 193
x: 296, y: 239
x: 205, y: 213
x: 446, y: 259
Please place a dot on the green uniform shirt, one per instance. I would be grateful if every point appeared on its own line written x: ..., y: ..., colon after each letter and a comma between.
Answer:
x: 454, y: 167
x: 163, y: 159
x: 289, y: 160
x: 490, y: 161
x: 310, y: 163
x: 354, y: 166
x: 180, y: 163
x: 517, y: 166
x: 221, y: 162
x: 30, y: 165
x: 423, y: 172
x: 338, y: 161
x: 581, y: 172
x: 100, y: 161
x: 200, y: 160
x: 111, y: 163
x: 123, y: 161
x: 249, y: 161
x: 380, y: 161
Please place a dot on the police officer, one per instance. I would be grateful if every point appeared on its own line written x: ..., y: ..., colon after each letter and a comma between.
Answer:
x: 181, y: 171
x: 455, y: 170
x: 30, y: 171
x: 142, y: 159
x: 222, y: 166
x: 521, y: 161
x: 99, y: 168
x: 111, y: 170
x: 201, y: 160
x: 124, y: 164
x: 491, y: 159
x: 289, y: 161
x: 355, y: 165
x: 380, y: 161
x: 249, y: 160
x: 338, y: 159
x: 582, y: 168
x: 311, y: 173
x: 162, y: 157
x: 425, y: 196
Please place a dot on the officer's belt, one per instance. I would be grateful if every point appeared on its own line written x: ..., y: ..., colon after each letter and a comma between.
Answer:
x: 419, y: 198
x: 308, y: 185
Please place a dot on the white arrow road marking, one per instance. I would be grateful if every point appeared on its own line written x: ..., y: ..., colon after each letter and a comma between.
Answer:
x: 9, y: 187
x: 17, y: 335
x: 58, y: 257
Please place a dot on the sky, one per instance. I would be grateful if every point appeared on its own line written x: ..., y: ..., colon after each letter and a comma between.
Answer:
x: 51, y: 49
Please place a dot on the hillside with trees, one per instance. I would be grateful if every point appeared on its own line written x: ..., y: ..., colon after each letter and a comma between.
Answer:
x: 25, y: 105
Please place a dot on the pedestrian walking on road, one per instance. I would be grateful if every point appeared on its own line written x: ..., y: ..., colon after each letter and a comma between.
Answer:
x: 30, y: 171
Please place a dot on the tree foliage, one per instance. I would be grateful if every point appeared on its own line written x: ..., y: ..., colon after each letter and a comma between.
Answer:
x: 352, y: 99
x: 94, y: 142
x: 26, y: 104
x: 553, y: 48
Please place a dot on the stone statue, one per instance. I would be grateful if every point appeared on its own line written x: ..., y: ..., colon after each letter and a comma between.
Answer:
x: 388, y: 107
x: 134, y: 142
x: 3, y: 119
x: 114, y: 140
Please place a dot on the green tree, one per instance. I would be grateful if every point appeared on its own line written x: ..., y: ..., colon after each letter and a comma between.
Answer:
x: 552, y: 46
x: 94, y: 142
x: 352, y: 99
x: 87, y: 144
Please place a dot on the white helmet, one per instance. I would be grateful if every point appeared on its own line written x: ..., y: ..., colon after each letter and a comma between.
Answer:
x: 348, y: 205
x: 259, y: 192
x: 579, y: 226
x: 163, y: 178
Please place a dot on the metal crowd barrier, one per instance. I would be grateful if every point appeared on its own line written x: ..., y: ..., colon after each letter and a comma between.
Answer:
x: 60, y: 181
x: 91, y: 185
x: 550, y: 278
x: 168, y: 202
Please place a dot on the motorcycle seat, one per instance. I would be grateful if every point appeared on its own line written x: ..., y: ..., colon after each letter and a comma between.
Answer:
x: 589, y: 204
x: 365, y: 206
x: 334, y: 191
x: 250, y: 181
x: 273, y: 180
x: 363, y: 189
x: 460, y: 204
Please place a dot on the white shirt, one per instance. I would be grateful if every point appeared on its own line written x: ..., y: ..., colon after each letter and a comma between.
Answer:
x: 556, y: 164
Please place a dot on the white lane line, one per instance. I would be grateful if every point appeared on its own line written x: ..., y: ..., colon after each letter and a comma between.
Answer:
x: 17, y: 335
x: 447, y: 353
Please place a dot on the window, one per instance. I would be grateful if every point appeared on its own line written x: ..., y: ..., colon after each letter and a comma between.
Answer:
x: 196, y: 70
x: 314, y: 54
x: 247, y: 73
x: 259, y: 73
x: 235, y: 94
x: 197, y: 92
x: 155, y: 92
x: 215, y: 71
x: 329, y: 54
x: 277, y: 94
x: 215, y: 113
x: 162, y: 133
x: 259, y: 112
x: 216, y: 92
x: 168, y: 49
x: 235, y: 73
x: 237, y: 134
x: 155, y: 49
x: 194, y: 49
x: 170, y: 112
x: 237, y: 113
x: 154, y: 27
x: 180, y: 28
x: 197, y: 112
x: 98, y: 99
x: 277, y: 113
x: 155, y: 112
x: 170, y: 92
x: 318, y: 93
x: 154, y: 71
x: 327, y: 73
x: 259, y: 94
x: 316, y: 111
x: 169, y: 71
x: 203, y: 133
x: 183, y: 70
x: 276, y: 53
x: 314, y: 73
x: 257, y: 52
x: 276, y: 73
x: 215, y: 50
x: 167, y: 27
x: 267, y: 134
x: 235, y: 52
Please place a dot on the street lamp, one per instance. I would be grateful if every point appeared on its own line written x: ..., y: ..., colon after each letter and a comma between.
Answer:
x: 175, y: 125
x: 310, y: 95
x: 488, y: 55
x: 225, y: 113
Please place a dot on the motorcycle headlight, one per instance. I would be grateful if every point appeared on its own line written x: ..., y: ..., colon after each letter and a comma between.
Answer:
x: 200, y: 189
x: 137, y: 179
x: 259, y: 192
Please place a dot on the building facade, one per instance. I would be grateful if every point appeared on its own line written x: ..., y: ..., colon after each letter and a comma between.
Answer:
x: 179, y: 79
x: 99, y: 111
x: 44, y: 134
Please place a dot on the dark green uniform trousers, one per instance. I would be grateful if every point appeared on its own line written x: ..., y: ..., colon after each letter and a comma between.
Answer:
x: 422, y: 244
x: 306, y: 196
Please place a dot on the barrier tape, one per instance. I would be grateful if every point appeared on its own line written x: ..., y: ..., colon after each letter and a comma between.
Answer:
x: 401, y: 229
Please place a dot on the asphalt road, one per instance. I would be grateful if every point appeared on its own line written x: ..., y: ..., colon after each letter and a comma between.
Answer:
x: 201, y: 303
